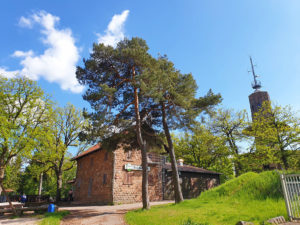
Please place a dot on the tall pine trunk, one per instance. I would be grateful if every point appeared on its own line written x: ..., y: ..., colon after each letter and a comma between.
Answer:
x: 175, y: 176
x: 142, y: 144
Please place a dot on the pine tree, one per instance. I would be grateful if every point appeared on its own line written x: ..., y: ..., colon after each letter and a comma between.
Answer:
x: 171, y: 97
x: 112, y: 76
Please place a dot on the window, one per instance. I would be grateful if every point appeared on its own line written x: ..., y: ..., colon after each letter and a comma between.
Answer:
x: 106, y: 156
x: 78, y: 183
x: 92, y: 161
x: 104, y: 179
x: 128, y: 178
x: 128, y: 155
x: 90, y: 187
x: 151, y: 180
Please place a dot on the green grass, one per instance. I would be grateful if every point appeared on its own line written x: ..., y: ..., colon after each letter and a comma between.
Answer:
x: 53, y: 218
x: 250, y: 197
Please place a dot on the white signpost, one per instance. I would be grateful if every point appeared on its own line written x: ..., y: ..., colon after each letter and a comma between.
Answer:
x: 134, y: 167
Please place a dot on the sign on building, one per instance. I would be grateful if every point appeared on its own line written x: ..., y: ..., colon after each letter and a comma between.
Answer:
x: 130, y: 167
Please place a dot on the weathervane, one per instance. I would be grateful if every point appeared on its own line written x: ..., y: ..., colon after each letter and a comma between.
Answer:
x: 256, y: 84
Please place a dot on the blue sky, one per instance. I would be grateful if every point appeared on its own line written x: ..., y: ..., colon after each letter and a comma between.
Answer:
x: 45, y: 40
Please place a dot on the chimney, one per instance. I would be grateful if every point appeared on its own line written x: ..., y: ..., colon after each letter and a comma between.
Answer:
x: 180, y: 162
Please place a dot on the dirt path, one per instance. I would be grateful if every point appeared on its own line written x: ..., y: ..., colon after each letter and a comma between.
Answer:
x: 20, y: 221
x: 106, y: 215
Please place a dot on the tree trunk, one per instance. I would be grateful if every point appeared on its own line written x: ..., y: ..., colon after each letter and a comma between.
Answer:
x: 142, y: 144
x: 175, y: 176
x: 41, y: 184
x: 58, y: 185
x: 284, y: 159
x: 237, y: 168
x: 235, y: 152
x: 2, y: 171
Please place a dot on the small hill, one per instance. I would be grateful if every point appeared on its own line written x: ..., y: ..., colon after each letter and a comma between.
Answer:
x: 249, y: 185
x: 250, y: 197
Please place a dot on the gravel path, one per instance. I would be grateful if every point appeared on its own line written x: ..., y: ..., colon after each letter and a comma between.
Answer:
x: 106, y: 215
x: 86, y: 215
x: 20, y: 221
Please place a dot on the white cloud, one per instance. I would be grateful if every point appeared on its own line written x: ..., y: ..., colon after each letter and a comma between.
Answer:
x: 25, y: 22
x: 58, y: 62
x: 22, y: 54
x: 8, y: 74
x: 115, y: 30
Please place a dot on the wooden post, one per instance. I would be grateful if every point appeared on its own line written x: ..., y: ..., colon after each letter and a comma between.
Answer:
x: 286, y: 197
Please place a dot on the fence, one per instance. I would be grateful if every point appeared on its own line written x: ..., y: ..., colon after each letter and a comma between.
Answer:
x: 291, y: 190
x: 30, y: 198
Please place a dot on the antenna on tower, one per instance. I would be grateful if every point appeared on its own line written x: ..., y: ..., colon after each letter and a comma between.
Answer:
x: 256, y: 84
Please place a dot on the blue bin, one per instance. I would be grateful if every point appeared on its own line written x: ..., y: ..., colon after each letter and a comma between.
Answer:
x: 51, y: 208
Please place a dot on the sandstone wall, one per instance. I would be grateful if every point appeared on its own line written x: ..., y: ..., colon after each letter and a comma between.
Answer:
x: 94, y: 178
x: 128, y: 184
x: 192, y: 184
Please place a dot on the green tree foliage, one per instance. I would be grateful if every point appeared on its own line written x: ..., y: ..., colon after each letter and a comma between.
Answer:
x: 206, y: 150
x: 230, y: 125
x: 30, y: 179
x: 113, y: 79
x: 24, y: 111
x: 13, y: 173
x: 63, y: 132
x: 276, y: 131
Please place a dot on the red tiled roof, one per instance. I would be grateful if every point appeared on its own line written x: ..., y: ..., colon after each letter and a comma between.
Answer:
x: 188, y: 168
x: 90, y: 150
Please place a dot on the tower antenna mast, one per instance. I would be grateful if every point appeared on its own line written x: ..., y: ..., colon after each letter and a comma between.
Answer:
x: 256, y: 84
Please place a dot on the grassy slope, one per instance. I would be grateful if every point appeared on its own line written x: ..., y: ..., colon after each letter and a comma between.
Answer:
x: 250, y: 197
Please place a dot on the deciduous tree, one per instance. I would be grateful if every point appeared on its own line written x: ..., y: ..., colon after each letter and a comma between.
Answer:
x: 203, y: 149
x: 276, y: 131
x: 63, y: 132
x: 24, y: 110
x: 230, y: 125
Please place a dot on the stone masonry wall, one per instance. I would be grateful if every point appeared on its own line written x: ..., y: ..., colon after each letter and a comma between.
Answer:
x: 128, y: 184
x: 94, y: 178
x: 256, y: 100
x: 192, y: 184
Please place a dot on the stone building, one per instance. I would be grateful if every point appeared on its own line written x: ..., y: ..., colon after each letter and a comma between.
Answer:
x: 105, y: 177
